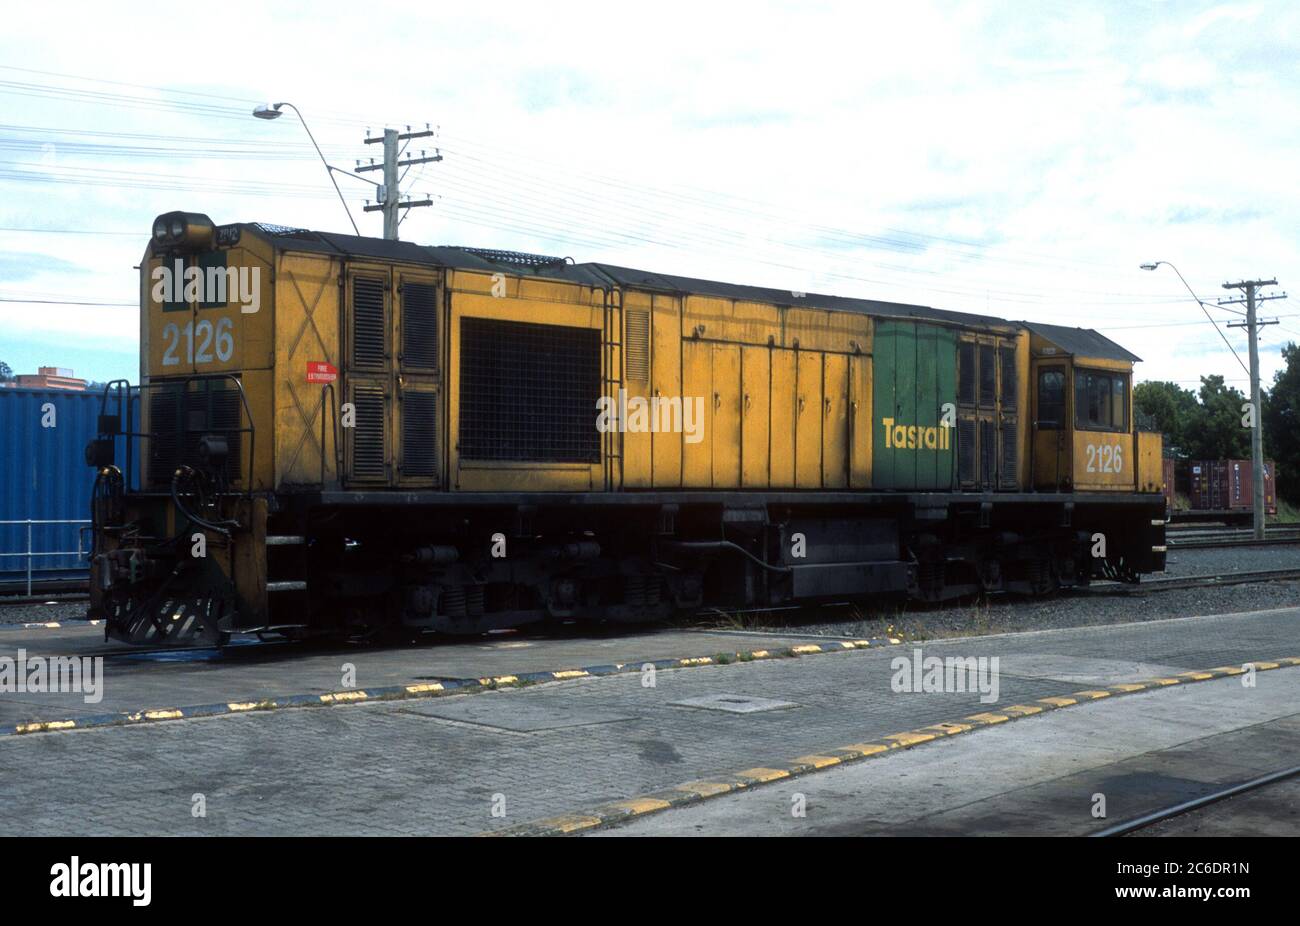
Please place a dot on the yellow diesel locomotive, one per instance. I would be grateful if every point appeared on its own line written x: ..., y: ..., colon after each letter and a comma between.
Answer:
x: 345, y: 435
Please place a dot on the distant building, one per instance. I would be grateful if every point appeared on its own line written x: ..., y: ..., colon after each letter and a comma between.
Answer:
x: 50, y: 378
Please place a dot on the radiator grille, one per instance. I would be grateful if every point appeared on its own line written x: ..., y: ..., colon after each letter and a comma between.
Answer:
x: 419, y: 325
x: 179, y: 419
x: 638, y: 345
x: 367, y: 322
x: 368, y: 460
x: 528, y: 392
x: 966, y: 451
x: 966, y: 373
x: 419, y: 433
x: 988, y: 377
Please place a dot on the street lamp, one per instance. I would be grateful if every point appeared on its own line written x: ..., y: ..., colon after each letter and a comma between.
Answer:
x: 273, y: 111
x: 1156, y: 263
x: 1199, y: 301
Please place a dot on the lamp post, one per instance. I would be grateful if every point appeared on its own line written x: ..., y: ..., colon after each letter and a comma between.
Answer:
x: 1257, y: 418
x: 274, y: 111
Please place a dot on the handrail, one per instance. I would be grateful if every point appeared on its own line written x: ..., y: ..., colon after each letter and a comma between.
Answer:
x: 184, y: 383
x: 32, y: 554
x: 338, y: 453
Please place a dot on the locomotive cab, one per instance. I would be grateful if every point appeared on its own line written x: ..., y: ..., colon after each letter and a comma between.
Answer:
x: 1085, y: 437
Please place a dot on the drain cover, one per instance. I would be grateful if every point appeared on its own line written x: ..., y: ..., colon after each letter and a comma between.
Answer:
x: 733, y: 703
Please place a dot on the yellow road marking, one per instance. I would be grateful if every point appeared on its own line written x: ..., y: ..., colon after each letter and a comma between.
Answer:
x: 1059, y: 702
x: 572, y: 822
x: 705, y: 788
x: 45, y: 725
x: 865, y: 749
x: 336, y: 697
x: 764, y: 774
x: 948, y: 728
x: 569, y: 673
x: 817, y: 761
x: 805, y: 649
x: 910, y: 738
x: 640, y: 805
x: 988, y: 718
x: 1093, y: 694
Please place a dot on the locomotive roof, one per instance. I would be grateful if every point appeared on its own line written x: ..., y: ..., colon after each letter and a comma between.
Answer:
x: 1080, y: 341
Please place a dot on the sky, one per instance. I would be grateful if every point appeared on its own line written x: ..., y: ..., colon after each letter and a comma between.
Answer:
x: 1012, y: 159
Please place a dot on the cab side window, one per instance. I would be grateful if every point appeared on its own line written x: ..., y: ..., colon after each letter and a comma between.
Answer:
x: 1051, y: 399
x: 1101, y: 400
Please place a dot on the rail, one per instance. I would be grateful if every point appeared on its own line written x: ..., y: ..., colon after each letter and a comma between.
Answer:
x: 32, y: 554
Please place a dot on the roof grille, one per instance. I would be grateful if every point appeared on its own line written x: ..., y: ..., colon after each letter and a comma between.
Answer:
x: 519, y: 258
x: 279, y: 231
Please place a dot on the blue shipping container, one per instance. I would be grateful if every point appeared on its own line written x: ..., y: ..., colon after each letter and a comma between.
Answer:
x: 44, y: 477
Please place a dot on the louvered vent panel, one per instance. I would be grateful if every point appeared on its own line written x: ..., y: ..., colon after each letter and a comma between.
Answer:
x: 638, y: 345
x: 368, y: 433
x: 1008, y: 357
x: 966, y: 451
x: 966, y: 373
x: 420, y: 325
x: 367, y: 322
x: 1009, y: 456
x: 528, y: 392
x: 419, y: 434
x: 164, y: 433
x: 988, y: 454
x: 988, y: 377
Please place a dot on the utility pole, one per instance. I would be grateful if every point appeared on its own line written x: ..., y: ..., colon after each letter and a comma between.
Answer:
x: 1252, y: 325
x: 390, y: 194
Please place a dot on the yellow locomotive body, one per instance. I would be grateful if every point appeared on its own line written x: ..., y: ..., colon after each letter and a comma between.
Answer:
x: 343, y: 434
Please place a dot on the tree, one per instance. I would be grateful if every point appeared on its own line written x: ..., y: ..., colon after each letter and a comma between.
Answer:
x: 1174, y: 409
x: 1219, y: 433
x: 6, y: 372
x: 1281, y: 415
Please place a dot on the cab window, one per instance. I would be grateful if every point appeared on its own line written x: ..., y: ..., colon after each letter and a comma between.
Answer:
x: 1051, y: 399
x: 1100, y: 400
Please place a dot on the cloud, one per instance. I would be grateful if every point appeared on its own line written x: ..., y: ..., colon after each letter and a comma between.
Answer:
x: 996, y: 158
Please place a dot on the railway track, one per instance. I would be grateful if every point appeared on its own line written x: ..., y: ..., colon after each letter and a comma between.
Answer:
x: 1201, y: 581
x: 41, y: 599
x: 1192, y: 538
x: 1175, y: 810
